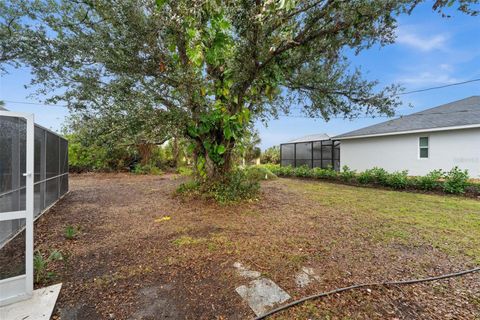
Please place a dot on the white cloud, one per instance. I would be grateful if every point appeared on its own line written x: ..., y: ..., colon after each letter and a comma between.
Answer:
x: 446, y: 67
x: 432, y: 77
x: 422, y: 43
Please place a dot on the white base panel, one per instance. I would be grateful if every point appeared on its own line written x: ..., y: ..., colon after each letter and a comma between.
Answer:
x: 39, y: 307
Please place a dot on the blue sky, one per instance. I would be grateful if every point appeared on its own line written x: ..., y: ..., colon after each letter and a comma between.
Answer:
x: 429, y: 51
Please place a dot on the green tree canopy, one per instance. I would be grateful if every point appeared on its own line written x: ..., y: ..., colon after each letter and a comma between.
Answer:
x: 210, y: 67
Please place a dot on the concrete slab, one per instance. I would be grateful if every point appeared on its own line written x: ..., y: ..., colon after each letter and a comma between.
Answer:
x: 262, y: 294
x: 305, y: 276
x: 302, y: 279
x: 246, y: 272
x: 39, y: 307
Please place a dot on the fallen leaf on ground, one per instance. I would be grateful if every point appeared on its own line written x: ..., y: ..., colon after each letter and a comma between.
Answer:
x: 166, y: 218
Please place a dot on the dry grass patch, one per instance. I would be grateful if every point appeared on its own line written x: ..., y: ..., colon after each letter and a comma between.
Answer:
x: 347, y: 234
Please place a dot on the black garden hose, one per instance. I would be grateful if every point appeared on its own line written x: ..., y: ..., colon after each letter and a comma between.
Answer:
x: 374, y: 284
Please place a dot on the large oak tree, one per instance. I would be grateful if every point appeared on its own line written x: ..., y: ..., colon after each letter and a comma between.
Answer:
x: 213, y: 66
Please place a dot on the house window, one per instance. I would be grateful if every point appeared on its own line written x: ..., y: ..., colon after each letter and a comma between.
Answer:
x: 423, y: 144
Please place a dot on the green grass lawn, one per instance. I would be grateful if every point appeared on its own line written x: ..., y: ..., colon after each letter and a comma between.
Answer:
x: 449, y: 223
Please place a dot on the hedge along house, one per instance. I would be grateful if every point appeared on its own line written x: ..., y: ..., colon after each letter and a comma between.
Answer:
x: 438, y: 138
x: 314, y: 151
x: 33, y: 176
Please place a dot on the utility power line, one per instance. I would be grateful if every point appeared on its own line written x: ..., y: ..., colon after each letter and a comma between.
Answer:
x: 376, y: 116
x: 440, y: 87
x: 36, y: 103
x: 288, y: 116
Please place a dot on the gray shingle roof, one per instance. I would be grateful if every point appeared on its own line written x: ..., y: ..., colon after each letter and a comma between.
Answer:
x: 457, y: 113
x: 311, y: 137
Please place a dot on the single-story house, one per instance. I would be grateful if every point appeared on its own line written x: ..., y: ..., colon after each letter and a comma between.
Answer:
x: 438, y: 138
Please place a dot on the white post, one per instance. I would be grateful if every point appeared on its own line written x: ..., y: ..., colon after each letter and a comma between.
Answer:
x: 29, y: 175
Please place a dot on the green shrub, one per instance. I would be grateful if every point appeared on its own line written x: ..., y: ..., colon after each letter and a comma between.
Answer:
x: 84, y: 155
x: 331, y: 174
x: 346, y: 174
x: 303, y: 172
x: 287, y: 171
x: 40, y: 265
x: 189, y: 187
x: 456, y: 181
x: 320, y: 173
x: 366, y: 177
x: 398, y: 180
x: 185, y: 171
x: 258, y: 173
x: 375, y: 175
x: 155, y: 171
x: 82, y: 158
x: 380, y: 175
x: 270, y: 166
x: 70, y: 232
x: 146, y: 169
x: 430, y: 181
x: 273, y: 168
x: 237, y: 186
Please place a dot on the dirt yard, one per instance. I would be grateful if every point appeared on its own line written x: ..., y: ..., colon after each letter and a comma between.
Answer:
x: 142, y: 252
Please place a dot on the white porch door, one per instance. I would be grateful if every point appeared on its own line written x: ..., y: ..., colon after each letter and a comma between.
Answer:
x: 16, y: 206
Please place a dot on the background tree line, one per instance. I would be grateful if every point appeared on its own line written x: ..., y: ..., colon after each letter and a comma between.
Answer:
x: 138, y: 73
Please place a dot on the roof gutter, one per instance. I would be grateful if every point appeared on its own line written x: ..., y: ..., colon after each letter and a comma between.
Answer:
x: 470, y: 126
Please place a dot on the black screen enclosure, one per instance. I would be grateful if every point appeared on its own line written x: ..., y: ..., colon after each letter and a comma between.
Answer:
x: 323, y: 154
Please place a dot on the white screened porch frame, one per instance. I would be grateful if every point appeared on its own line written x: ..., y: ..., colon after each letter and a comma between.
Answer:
x: 19, y: 288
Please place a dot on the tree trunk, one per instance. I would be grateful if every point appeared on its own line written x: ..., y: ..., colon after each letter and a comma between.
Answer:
x: 215, y: 172
x: 145, y: 149
x: 215, y: 145
x: 176, y: 152
x: 218, y: 172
